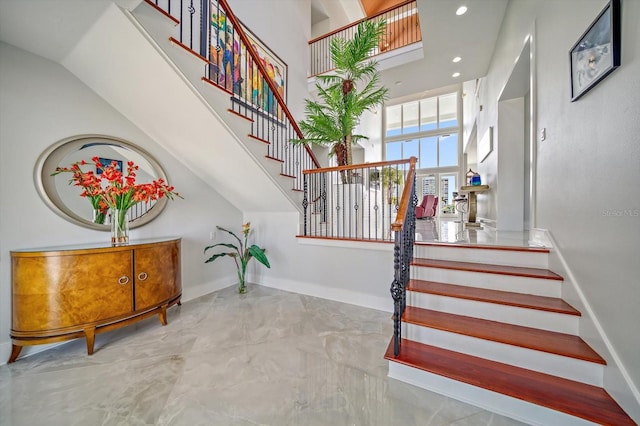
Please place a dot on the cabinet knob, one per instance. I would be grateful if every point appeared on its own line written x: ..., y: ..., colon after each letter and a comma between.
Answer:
x: 123, y: 280
x: 142, y: 276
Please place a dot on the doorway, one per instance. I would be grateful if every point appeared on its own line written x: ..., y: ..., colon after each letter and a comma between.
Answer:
x: 516, y: 142
x: 441, y: 185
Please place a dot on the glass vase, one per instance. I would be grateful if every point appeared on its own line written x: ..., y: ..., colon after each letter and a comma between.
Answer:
x: 99, y: 216
x: 242, y: 287
x: 119, y: 227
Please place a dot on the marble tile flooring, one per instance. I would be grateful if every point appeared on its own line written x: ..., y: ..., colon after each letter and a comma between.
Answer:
x: 265, y: 358
x: 454, y: 231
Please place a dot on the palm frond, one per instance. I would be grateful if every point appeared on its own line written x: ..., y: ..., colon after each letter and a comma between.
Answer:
x: 340, y: 101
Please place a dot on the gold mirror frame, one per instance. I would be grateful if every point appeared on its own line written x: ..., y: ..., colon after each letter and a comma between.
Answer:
x: 56, y: 153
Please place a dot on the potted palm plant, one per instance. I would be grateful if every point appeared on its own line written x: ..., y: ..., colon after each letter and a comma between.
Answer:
x: 345, y: 94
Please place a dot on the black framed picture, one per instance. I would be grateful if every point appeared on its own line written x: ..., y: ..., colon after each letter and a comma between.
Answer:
x: 106, y: 162
x: 597, y: 53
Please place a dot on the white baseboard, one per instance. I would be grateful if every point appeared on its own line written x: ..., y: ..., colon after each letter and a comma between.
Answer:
x: 190, y: 293
x: 617, y: 381
x: 330, y: 293
x: 5, y: 351
x: 488, y: 223
x: 539, y: 237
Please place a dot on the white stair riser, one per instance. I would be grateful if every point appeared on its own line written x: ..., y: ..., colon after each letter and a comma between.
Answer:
x: 556, y: 365
x: 488, y: 400
x: 552, y: 321
x: 527, y: 259
x: 536, y: 286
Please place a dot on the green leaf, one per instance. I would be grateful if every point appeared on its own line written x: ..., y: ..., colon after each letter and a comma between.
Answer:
x: 230, y: 233
x: 228, y: 245
x: 259, y: 255
x: 215, y: 256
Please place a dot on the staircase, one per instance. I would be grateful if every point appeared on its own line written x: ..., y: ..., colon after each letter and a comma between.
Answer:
x: 131, y: 59
x: 486, y: 325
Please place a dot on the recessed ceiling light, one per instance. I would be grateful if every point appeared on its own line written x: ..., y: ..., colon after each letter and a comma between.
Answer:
x: 398, y: 83
x: 461, y: 10
x: 457, y: 59
x: 455, y: 75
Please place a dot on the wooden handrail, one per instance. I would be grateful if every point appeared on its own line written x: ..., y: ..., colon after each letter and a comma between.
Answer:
x: 356, y: 166
x: 406, y: 197
x: 256, y: 59
x: 353, y: 24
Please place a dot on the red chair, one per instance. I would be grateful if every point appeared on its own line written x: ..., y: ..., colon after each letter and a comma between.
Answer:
x: 427, y: 208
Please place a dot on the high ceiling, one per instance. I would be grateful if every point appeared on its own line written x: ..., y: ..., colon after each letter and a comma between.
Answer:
x: 445, y: 35
x: 43, y: 27
x: 372, y: 7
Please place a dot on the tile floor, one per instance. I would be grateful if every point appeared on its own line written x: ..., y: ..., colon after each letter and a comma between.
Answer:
x: 265, y: 358
x: 454, y: 231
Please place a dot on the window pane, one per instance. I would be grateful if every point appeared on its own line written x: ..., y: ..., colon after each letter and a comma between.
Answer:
x: 448, y: 151
x: 428, y: 112
x: 411, y: 148
x: 428, y: 153
x: 447, y: 186
x: 428, y: 185
x: 394, y: 151
x: 448, y: 110
x: 410, y: 117
x: 394, y: 120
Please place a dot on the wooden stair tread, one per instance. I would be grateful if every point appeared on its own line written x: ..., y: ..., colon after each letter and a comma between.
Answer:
x: 484, y: 246
x: 487, y: 268
x: 529, y: 301
x: 577, y: 399
x: 542, y: 340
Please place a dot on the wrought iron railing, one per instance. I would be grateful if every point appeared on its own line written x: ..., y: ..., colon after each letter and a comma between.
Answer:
x: 402, y: 29
x: 358, y: 202
x: 234, y: 64
x: 404, y: 228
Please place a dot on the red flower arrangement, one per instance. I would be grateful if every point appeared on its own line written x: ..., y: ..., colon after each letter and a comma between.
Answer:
x: 119, y: 191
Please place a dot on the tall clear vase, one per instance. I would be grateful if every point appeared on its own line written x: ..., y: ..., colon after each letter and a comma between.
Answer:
x: 119, y: 227
x: 242, y: 287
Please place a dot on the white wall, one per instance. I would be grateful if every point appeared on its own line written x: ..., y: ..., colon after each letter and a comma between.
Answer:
x: 587, y: 170
x: 42, y: 103
x: 357, y: 273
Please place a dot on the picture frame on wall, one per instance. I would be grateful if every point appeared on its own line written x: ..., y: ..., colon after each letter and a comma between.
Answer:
x: 233, y: 69
x: 485, y: 145
x: 597, y: 52
x: 106, y: 162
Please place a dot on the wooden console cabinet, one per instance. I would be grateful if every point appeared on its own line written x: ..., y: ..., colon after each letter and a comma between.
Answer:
x: 62, y: 293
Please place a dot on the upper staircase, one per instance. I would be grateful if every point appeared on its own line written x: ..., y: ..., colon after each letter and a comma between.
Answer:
x: 486, y: 325
x: 134, y: 61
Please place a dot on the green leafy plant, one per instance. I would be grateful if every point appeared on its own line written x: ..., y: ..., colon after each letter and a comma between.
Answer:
x: 346, y: 94
x: 391, y: 177
x: 242, y: 253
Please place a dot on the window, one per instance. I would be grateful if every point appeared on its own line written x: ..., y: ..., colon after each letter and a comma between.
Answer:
x: 425, y: 128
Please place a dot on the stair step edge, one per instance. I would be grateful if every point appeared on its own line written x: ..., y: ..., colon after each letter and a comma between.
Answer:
x: 560, y: 344
x: 581, y: 400
x: 499, y: 297
x: 517, y: 271
x: 484, y: 247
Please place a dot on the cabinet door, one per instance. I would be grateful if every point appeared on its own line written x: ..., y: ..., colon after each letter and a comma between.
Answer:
x: 157, y: 275
x: 66, y: 291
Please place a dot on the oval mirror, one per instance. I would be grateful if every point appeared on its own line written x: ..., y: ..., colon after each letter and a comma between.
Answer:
x: 64, y: 198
